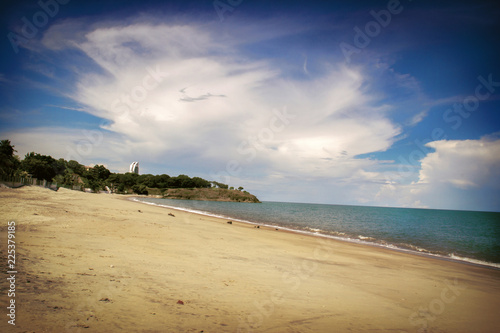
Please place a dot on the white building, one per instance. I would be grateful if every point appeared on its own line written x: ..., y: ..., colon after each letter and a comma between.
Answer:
x: 134, y: 167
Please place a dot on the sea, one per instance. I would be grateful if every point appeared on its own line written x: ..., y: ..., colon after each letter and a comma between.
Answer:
x: 468, y: 236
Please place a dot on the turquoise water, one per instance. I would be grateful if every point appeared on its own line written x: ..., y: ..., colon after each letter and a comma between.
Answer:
x: 460, y: 235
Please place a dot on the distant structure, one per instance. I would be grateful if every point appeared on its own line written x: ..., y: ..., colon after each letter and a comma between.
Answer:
x: 134, y: 167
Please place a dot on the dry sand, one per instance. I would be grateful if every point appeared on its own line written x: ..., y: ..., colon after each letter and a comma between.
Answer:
x: 101, y: 263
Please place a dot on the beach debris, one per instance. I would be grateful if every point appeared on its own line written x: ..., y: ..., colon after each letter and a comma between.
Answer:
x: 91, y: 269
x: 92, y: 317
x: 111, y: 266
x: 170, y: 214
x: 105, y: 300
x: 180, y: 302
x: 81, y: 325
x: 229, y: 222
x: 257, y: 226
x: 139, y: 211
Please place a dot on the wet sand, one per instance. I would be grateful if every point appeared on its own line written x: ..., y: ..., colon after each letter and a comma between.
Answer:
x: 101, y: 263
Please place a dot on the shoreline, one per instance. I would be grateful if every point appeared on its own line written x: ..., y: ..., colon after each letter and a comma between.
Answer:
x: 390, y: 247
x: 103, y: 263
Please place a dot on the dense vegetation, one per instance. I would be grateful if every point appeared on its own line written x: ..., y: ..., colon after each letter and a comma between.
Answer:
x: 75, y: 175
x: 210, y: 194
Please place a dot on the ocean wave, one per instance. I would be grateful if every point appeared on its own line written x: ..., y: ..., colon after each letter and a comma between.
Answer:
x: 365, y: 238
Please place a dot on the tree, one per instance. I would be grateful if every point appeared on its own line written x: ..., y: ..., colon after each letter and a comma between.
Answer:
x: 6, y: 149
x: 96, y: 177
x: 94, y: 184
x: 8, y: 162
x: 40, y: 166
x: 60, y: 166
x: 162, y: 181
x: 76, y: 167
x: 200, y: 182
x: 181, y: 181
x: 140, y: 189
x: 220, y: 185
x: 130, y: 179
x: 147, y: 179
x: 101, y: 172
x: 185, y: 181
x: 240, y: 188
x: 114, y: 181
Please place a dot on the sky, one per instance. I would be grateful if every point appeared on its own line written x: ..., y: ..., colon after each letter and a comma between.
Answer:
x: 380, y: 103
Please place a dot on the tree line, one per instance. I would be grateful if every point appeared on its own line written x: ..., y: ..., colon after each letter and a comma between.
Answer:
x: 71, y: 173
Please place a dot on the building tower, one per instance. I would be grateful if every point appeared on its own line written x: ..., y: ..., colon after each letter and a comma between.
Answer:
x: 134, y: 167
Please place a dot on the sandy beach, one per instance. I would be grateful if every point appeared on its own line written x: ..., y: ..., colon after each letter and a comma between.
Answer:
x: 102, y: 263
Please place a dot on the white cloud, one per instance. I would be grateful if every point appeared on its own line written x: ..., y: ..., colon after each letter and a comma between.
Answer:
x: 189, y: 95
x: 209, y: 104
x: 211, y: 99
x: 459, y: 174
x: 463, y: 164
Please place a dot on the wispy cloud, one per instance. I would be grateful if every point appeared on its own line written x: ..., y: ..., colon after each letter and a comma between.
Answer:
x: 69, y: 108
x: 305, y: 67
x: 186, y: 98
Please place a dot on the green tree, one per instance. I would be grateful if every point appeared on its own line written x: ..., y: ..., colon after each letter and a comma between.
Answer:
x: 94, y: 184
x: 40, y: 166
x: 95, y: 177
x: 76, y: 167
x: 185, y: 181
x: 181, y: 181
x: 121, y: 188
x: 101, y: 172
x: 114, y: 181
x: 140, y: 189
x: 9, y: 163
x: 147, y: 179
x: 162, y: 181
x: 60, y: 166
x: 130, y: 179
x: 220, y: 185
x: 200, y: 182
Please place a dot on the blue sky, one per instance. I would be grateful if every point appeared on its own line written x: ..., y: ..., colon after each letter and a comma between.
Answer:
x: 386, y: 103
